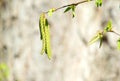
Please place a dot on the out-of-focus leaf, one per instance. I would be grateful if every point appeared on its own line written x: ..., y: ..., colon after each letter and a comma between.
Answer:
x: 94, y: 39
x: 73, y: 14
x: 118, y: 44
x: 101, y: 41
x: 4, y: 71
x: 98, y: 3
x: 50, y: 12
x: 97, y: 37
x: 108, y: 28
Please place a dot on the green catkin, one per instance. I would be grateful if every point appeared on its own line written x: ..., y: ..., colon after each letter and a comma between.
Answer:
x: 45, y: 35
x: 42, y: 31
x: 47, y: 40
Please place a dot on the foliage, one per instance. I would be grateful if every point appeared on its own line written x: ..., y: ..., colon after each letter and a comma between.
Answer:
x: 4, y: 71
x: 118, y: 44
x: 50, y: 12
x: 98, y: 36
x: 71, y: 7
x: 98, y: 3
x: 108, y: 27
x: 45, y: 32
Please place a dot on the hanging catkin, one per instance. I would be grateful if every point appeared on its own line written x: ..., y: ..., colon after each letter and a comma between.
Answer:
x: 42, y: 31
x: 47, y: 40
x: 45, y: 35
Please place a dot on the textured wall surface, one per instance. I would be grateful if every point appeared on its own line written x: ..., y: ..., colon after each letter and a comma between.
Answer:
x: 72, y: 58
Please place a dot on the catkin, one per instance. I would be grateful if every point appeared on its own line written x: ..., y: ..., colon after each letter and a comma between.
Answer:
x: 45, y: 35
x: 47, y: 40
x: 42, y: 31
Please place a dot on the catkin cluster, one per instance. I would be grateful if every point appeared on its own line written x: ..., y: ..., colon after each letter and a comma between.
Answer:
x: 45, y: 35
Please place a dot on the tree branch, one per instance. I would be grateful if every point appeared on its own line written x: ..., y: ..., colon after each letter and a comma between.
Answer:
x: 70, y: 5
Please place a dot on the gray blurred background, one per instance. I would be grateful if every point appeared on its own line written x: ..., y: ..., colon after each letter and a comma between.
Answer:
x: 72, y: 58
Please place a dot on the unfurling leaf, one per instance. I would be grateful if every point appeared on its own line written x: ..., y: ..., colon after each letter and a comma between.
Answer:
x: 98, y: 3
x: 73, y: 10
x: 67, y: 9
x: 45, y: 35
x: 97, y: 37
x: 108, y: 28
x: 72, y: 7
x: 118, y: 44
x: 50, y: 12
x: 94, y: 39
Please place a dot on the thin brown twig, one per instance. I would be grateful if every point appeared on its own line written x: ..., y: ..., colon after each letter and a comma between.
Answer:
x: 115, y: 33
x: 69, y: 5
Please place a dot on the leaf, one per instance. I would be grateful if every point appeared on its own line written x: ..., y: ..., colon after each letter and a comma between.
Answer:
x: 108, y: 28
x: 73, y: 10
x: 94, y: 39
x: 98, y: 3
x: 4, y: 71
x: 67, y: 9
x: 50, y: 12
x: 101, y: 41
x: 118, y: 44
x: 72, y: 7
x: 97, y: 37
x: 47, y: 40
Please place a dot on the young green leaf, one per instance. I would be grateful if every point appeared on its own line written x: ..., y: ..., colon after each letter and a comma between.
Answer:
x: 118, y: 44
x: 97, y: 37
x: 98, y: 3
x: 50, y: 12
x: 67, y: 9
x: 73, y: 10
x: 72, y: 7
x: 94, y: 39
x: 108, y: 28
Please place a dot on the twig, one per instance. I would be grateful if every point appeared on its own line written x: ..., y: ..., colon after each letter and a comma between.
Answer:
x: 115, y: 33
x: 70, y: 5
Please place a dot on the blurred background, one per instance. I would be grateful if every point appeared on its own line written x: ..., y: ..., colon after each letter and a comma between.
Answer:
x: 72, y: 58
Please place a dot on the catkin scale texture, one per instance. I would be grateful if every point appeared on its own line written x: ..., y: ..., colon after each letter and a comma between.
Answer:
x: 42, y: 31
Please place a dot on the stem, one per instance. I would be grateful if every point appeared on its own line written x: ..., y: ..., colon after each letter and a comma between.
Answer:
x: 70, y: 5
x: 115, y: 33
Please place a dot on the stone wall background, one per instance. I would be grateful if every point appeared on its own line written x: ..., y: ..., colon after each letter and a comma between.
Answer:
x: 72, y: 59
